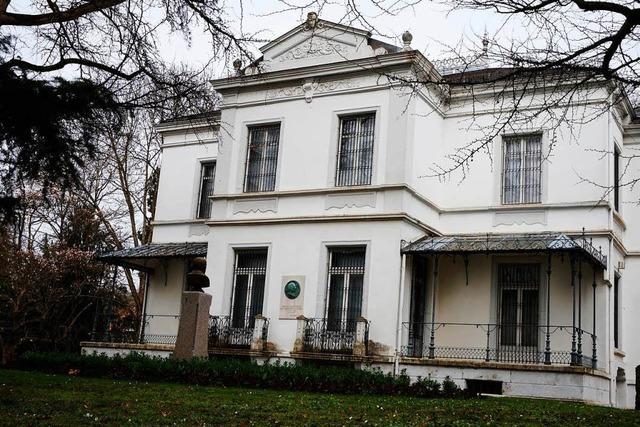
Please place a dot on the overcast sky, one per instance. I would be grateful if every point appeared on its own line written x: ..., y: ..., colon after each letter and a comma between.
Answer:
x: 430, y: 23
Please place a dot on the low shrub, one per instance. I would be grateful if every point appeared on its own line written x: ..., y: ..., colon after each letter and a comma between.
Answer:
x: 238, y: 373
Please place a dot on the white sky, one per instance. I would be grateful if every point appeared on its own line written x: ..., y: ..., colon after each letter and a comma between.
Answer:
x: 430, y: 23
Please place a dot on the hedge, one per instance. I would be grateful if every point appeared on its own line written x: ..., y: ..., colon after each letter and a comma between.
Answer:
x: 239, y: 373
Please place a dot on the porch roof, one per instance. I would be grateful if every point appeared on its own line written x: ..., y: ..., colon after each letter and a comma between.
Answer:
x: 495, y: 243
x: 138, y: 256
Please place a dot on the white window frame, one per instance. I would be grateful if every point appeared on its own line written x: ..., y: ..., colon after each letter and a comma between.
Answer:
x: 345, y: 297
x: 203, y: 164
x: 249, y: 128
x: 358, y: 156
x: 523, y: 142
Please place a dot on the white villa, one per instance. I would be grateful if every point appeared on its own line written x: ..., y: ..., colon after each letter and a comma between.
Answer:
x: 325, y: 242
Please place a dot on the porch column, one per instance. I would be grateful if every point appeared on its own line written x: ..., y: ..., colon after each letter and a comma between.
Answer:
x: 594, y: 356
x: 580, y: 309
x: 432, y: 337
x: 573, y: 310
x: 547, y: 341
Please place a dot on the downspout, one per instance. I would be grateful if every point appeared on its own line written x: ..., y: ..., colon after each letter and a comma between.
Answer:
x: 403, y: 265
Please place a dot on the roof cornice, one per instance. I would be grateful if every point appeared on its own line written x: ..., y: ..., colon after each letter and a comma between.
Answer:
x: 412, y: 57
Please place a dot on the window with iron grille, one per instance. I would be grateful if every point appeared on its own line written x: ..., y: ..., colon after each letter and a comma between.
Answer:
x: 522, y: 169
x: 262, y: 158
x: 616, y: 179
x: 207, y: 178
x: 250, y: 272
x: 518, y: 307
x: 344, y: 296
x: 616, y: 312
x: 355, y: 150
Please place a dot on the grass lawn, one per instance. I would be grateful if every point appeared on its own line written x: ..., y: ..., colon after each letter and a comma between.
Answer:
x: 30, y: 398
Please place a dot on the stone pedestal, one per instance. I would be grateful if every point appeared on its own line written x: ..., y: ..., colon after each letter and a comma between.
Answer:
x: 360, y: 344
x: 193, y: 331
x: 301, y: 326
x: 258, y: 339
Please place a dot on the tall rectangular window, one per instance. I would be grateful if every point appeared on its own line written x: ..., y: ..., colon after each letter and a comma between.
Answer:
x: 262, y: 158
x: 250, y: 272
x: 616, y: 179
x: 522, y: 169
x: 519, y: 286
x: 207, y: 178
x: 616, y: 312
x: 355, y: 150
x: 346, y: 277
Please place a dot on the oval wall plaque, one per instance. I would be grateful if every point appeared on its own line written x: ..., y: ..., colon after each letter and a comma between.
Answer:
x: 292, y: 289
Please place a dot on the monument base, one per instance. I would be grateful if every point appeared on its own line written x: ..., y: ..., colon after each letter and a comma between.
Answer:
x: 193, y: 331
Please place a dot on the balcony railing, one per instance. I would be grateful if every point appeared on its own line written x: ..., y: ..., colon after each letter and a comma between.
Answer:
x: 131, y: 331
x: 222, y: 333
x: 330, y: 336
x: 492, y: 342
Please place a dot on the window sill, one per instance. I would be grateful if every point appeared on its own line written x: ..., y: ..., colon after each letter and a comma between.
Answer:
x: 520, y: 205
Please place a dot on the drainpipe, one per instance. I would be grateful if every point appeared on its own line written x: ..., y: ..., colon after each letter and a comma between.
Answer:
x: 396, y: 362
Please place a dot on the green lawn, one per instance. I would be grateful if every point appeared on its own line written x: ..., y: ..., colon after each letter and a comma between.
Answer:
x: 29, y: 398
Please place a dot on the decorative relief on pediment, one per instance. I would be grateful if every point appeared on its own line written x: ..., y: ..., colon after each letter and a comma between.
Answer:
x: 313, y: 50
x: 311, y: 87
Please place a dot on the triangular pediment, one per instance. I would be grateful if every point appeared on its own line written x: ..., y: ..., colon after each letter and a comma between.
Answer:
x: 324, y: 42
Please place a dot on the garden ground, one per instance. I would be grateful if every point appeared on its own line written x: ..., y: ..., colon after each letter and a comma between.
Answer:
x: 30, y: 398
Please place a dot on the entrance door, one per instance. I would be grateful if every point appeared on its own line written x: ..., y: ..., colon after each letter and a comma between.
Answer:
x: 519, y: 294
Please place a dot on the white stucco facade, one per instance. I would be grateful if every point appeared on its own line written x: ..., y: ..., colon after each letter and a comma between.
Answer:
x: 310, y: 79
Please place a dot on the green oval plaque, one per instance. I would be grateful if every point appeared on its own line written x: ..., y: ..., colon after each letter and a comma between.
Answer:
x: 292, y: 289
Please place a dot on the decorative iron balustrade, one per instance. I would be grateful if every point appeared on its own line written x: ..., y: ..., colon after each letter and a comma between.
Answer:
x: 332, y: 336
x: 131, y: 331
x: 492, y: 342
x: 222, y: 333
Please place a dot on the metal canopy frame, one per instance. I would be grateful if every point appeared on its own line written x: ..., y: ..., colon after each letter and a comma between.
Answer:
x: 504, y: 243
x: 136, y: 258
x: 580, y: 249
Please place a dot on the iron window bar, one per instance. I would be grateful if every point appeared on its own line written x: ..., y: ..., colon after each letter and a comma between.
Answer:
x: 345, y: 287
x: 262, y: 158
x: 250, y: 270
x: 207, y: 179
x: 522, y: 169
x: 354, y: 162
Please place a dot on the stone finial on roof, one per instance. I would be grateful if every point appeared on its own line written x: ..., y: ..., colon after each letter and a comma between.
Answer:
x: 406, y: 40
x: 485, y: 42
x: 312, y: 21
x: 237, y: 65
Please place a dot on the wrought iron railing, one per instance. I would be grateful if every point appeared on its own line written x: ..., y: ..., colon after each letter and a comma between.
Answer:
x: 331, y: 336
x: 132, y: 331
x: 511, y: 343
x: 222, y: 333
